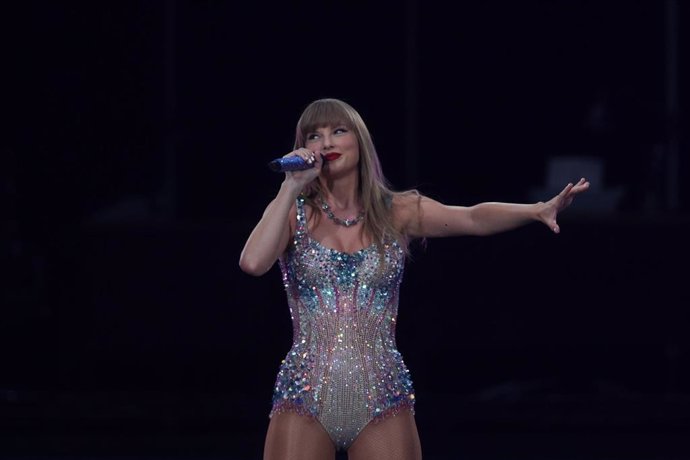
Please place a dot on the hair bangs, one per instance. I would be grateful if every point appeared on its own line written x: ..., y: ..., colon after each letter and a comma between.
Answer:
x: 326, y: 112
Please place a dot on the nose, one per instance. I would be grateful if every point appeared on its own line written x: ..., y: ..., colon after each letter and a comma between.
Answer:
x: 327, y: 142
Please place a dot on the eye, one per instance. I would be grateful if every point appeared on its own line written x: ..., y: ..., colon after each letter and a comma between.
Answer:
x: 340, y: 130
x: 312, y: 136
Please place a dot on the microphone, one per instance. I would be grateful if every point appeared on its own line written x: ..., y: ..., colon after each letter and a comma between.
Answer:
x: 294, y: 163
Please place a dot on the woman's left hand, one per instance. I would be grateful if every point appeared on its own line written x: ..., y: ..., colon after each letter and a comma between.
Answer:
x: 551, y: 208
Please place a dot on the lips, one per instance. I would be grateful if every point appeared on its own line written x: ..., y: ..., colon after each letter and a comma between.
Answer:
x: 332, y: 156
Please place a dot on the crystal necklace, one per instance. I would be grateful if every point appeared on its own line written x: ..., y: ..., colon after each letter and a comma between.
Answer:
x: 346, y: 222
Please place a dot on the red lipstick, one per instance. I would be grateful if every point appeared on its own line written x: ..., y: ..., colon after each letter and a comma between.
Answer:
x: 332, y: 156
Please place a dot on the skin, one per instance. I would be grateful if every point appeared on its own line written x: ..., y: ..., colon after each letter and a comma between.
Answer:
x: 289, y: 433
x: 340, y: 179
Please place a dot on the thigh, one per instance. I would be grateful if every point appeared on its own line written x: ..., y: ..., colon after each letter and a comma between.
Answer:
x: 292, y: 436
x: 394, y: 438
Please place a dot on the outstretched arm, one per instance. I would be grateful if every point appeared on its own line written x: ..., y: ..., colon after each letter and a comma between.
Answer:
x: 434, y: 219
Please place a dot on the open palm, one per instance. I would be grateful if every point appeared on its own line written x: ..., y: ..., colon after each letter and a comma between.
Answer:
x: 561, y: 201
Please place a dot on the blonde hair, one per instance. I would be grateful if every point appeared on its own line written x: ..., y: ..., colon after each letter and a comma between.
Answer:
x: 376, y: 196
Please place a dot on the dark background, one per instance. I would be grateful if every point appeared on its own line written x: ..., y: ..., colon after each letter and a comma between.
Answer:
x: 133, y: 158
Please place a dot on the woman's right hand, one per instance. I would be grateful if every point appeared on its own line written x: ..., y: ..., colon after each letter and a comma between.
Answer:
x: 270, y: 237
x: 299, y: 179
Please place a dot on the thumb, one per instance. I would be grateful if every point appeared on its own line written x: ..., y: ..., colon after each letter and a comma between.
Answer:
x: 554, y: 226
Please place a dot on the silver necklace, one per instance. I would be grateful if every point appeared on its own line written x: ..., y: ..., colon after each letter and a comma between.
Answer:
x: 344, y: 222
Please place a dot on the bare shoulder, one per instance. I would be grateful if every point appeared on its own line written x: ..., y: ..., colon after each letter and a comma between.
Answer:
x: 309, y: 214
x: 406, y: 208
x: 406, y: 202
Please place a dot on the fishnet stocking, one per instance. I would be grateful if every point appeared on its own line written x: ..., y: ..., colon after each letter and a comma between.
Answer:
x: 297, y: 437
x: 394, y: 438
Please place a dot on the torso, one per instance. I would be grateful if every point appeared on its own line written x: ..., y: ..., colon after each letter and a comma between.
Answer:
x: 343, y: 368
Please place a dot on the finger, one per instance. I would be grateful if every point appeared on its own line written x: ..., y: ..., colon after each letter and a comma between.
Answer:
x: 555, y: 227
x: 567, y: 189
x: 579, y: 188
x: 582, y: 186
x: 317, y: 161
x: 306, y: 154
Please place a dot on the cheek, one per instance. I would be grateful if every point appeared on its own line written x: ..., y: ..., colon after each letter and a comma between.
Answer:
x: 352, y: 144
x: 355, y: 157
x: 312, y: 145
x: 355, y: 149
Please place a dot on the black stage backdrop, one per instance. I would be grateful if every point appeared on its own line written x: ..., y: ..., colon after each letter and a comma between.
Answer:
x: 133, y: 167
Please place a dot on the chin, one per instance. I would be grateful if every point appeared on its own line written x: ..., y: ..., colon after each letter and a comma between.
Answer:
x: 341, y: 171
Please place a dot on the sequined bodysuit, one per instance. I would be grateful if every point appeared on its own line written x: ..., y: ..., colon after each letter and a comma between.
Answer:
x: 343, y: 368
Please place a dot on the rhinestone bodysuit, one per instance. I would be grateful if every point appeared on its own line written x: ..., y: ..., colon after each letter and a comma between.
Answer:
x: 343, y: 368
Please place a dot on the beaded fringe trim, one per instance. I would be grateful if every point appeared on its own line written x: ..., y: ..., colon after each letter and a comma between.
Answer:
x: 282, y: 407
x: 394, y: 410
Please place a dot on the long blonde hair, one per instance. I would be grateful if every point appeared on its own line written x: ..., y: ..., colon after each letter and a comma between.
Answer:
x: 376, y: 196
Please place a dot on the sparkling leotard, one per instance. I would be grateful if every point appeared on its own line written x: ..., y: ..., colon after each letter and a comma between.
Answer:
x: 343, y: 368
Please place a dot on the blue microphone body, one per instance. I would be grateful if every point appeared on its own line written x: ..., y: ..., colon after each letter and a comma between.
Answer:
x: 294, y: 163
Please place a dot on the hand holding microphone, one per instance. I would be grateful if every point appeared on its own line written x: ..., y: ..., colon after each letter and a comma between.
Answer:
x: 299, y: 160
x: 294, y: 163
x: 300, y: 166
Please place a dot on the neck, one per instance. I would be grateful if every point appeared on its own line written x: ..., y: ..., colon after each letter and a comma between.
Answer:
x: 342, y: 193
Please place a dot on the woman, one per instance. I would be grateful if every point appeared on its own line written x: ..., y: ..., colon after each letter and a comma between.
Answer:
x: 341, y: 236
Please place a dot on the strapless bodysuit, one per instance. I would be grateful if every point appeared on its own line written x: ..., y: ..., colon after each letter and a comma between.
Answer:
x: 343, y: 368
